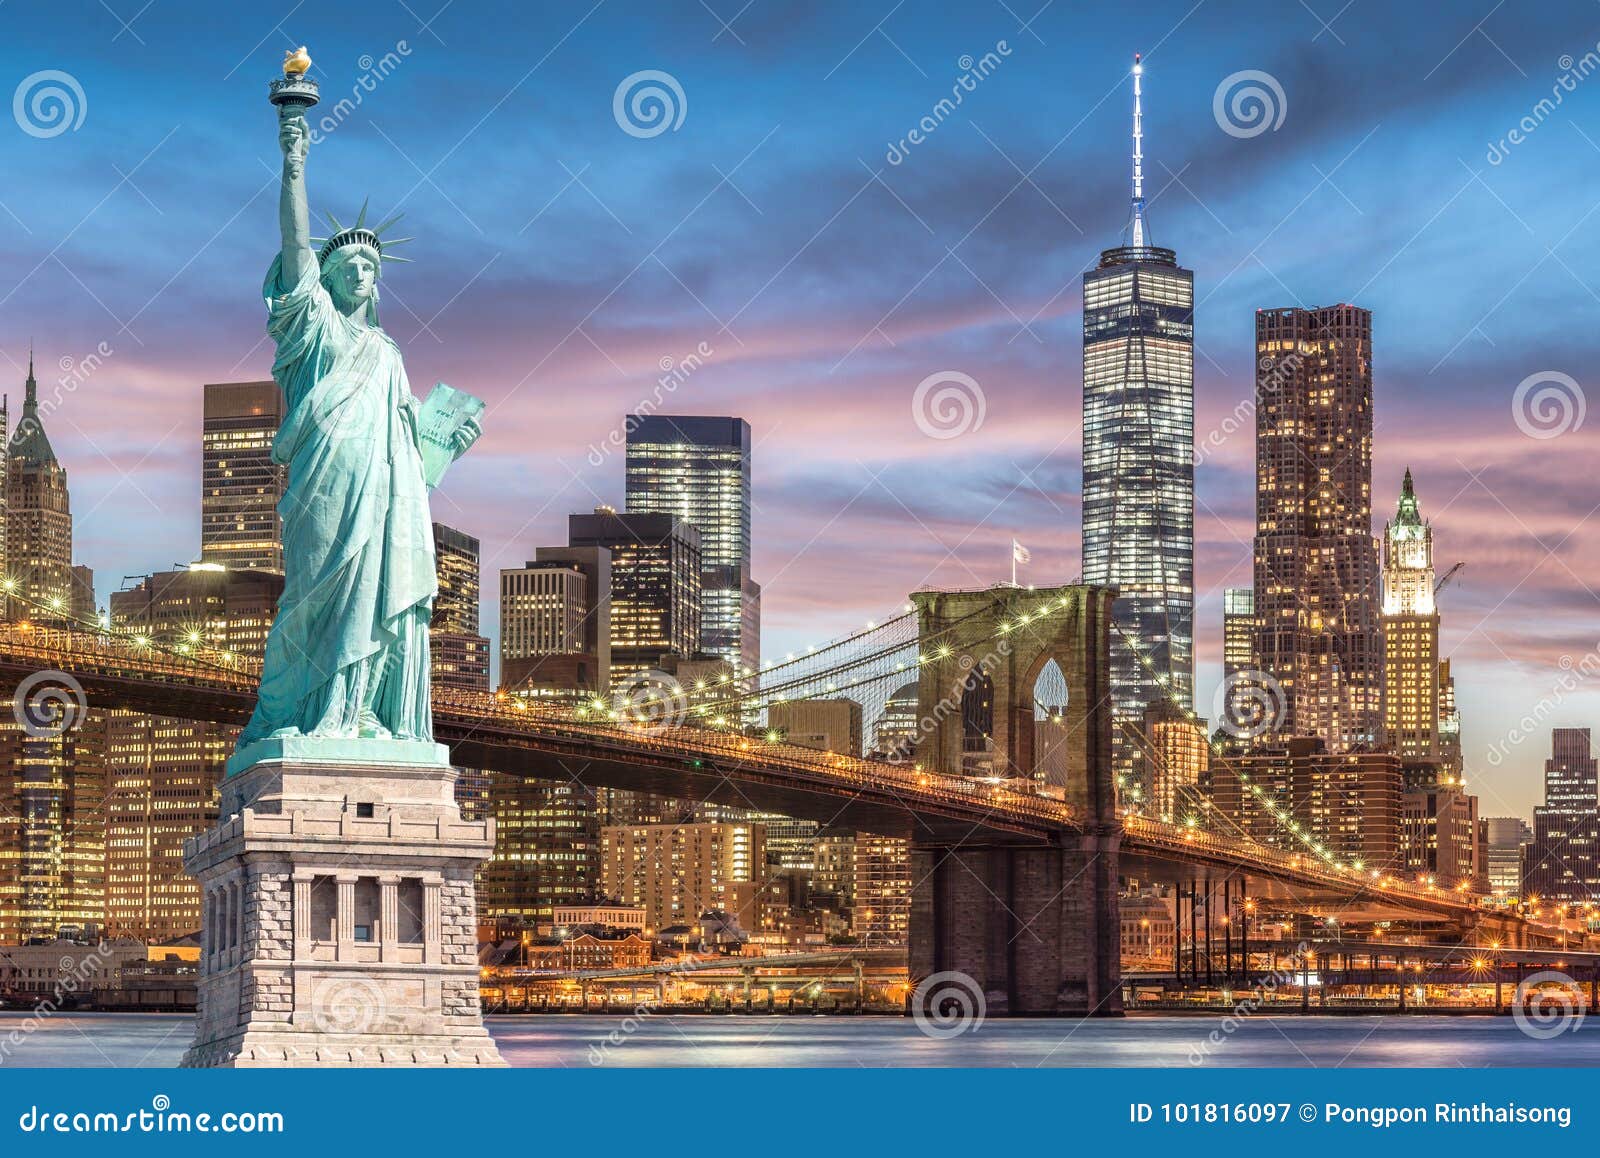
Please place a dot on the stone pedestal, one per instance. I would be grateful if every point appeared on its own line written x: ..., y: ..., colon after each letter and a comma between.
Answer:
x: 339, y: 916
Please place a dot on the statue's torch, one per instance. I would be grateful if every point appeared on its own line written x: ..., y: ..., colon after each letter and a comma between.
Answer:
x: 294, y: 92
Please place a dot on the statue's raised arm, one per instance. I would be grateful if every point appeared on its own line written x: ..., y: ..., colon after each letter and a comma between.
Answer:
x: 294, y: 216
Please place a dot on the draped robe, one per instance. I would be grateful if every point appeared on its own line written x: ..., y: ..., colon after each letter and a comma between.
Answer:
x: 348, y: 652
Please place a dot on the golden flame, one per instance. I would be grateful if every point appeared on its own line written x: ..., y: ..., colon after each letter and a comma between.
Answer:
x: 297, y: 62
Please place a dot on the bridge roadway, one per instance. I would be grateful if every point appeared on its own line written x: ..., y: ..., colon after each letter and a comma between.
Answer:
x: 554, y: 742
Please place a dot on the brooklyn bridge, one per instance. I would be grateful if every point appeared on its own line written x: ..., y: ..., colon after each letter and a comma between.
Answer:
x: 1016, y: 880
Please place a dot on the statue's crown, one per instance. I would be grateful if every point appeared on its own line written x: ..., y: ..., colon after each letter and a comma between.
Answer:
x: 358, y: 234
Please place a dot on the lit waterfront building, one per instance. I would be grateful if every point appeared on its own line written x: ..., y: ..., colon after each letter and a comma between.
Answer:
x: 1504, y: 838
x: 828, y: 725
x: 546, y: 849
x: 1177, y: 756
x: 1316, y: 569
x: 896, y: 729
x: 1348, y: 802
x: 1138, y: 467
x: 1149, y: 933
x: 1410, y: 633
x: 1439, y: 833
x: 678, y: 871
x: 52, y: 830
x: 163, y: 773
x: 698, y: 468
x: 240, y: 484
x: 655, y: 585
x: 52, y: 783
x: 460, y: 654
x: 1562, y: 862
x: 1238, y: 630
x: 555, y: 622
x: 881, y: 902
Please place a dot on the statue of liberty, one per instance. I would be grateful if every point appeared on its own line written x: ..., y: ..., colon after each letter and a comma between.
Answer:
x: 347, y: 657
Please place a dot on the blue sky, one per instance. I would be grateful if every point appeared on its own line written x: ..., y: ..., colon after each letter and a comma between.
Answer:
x: 560, y: 259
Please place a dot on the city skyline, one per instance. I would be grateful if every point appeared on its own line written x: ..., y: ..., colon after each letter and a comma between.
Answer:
x: 1437, y: 337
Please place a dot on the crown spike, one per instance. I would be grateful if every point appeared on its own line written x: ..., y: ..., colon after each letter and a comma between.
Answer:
x: 378, y: 229
x: 361, y: 218
x: 333, y: 223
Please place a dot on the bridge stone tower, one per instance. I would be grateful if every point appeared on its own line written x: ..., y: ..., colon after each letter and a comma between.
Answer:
x: 1036, y: 927
x: 339, y: 916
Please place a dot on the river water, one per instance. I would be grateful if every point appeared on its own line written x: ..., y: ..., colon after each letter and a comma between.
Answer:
x: 660, y: 1040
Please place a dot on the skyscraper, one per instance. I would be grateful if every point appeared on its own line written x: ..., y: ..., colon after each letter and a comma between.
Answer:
x: 555, y: 621
x: 460, y: 655
x: 52, y: 782
x: 1138, y: 466
x: 1238, y: 630
x: 163, y: 773
x: 1316, y: 566
x: 655, y: 585
x: 1504, y: 838
x: 698, y: 468
x: 1562, y: 863
x: 240, y: 484
x: 38, y: 519
x: 1410, y: 634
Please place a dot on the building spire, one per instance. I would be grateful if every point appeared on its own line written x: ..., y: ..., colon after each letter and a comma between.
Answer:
x: 31, y: 386
x: 1138, y: 230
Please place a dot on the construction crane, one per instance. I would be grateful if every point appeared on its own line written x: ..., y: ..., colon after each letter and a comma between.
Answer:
x: 1447, y: 576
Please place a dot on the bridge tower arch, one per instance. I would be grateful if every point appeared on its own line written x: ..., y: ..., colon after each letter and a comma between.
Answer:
x: 1035, y: 927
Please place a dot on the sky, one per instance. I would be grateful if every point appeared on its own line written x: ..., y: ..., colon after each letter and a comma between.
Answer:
x: 780, y: 224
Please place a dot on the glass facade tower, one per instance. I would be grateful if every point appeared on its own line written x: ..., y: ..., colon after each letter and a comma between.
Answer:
x: 698, y: 468
x: 1138, y: 472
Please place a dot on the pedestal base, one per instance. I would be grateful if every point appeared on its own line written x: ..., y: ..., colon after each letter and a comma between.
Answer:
x: 339, y: 919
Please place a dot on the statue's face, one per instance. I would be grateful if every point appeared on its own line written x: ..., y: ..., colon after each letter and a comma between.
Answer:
x: 353, y: 282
